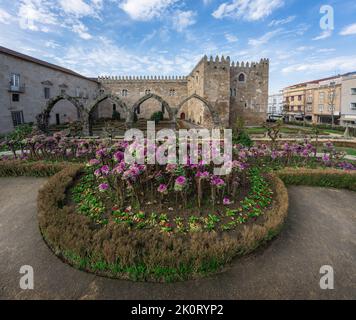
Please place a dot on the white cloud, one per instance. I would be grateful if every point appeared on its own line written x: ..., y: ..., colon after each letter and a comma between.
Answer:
x: 183, y: 19
x: 326, y: 50
x: 6, y: 17
x: 349, y: 30
x: 77, y: 7
x: 231, y: 38
x: 51, y: 44
x: 81, y: 30
x: 35, y: 15
x: 250, y: 10
x: 145, y: 10
x: 325, y: 34
x: 265, y: 38
x: 341, y: 64
x: 275, y: 23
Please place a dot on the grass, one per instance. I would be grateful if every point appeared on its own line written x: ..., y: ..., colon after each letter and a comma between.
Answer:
x: 349, y: 151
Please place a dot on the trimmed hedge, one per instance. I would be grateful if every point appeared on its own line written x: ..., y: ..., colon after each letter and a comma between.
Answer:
x: 120, y: 252
x: 16, y: 168
x: 331, y: 178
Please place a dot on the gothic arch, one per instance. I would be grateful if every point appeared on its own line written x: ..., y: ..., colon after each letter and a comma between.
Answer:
x: 213, y: 113
x: 242, y: 77
x: 130, y: 118
x: 99, y: 99
x: 43, y: 118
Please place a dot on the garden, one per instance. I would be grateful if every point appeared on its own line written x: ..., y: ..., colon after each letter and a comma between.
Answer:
x: 151, y: 222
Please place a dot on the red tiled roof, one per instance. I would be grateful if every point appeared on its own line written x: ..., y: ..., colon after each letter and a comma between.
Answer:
x: 42, y: 63
x: 313, y: 81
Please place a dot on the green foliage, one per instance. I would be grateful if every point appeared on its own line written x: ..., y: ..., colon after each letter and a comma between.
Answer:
x: 242, y: 137
x: 157, y: 117
x: 319, y: 178
x: 17, y: 135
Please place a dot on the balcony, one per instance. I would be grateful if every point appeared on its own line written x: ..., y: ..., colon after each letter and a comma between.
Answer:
x: 17, y: 89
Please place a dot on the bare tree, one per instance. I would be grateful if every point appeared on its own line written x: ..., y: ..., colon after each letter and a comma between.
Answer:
x: 331, y: 101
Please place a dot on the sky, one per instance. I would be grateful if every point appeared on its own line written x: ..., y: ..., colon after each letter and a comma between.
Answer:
x: 168, y: 37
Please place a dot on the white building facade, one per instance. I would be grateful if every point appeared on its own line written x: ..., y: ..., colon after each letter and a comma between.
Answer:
x: 348, y: 100
x: 275, y: 104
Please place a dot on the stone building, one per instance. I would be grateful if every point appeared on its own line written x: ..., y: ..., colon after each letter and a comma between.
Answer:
x: 28, y: 85
x: 214, y: 94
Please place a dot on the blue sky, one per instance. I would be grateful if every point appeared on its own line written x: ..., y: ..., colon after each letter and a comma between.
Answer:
x: 168, y: 37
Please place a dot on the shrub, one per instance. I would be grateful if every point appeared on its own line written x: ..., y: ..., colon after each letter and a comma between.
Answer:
x: 243, y: 138
x: 331, y: 178
x: 157, y: 117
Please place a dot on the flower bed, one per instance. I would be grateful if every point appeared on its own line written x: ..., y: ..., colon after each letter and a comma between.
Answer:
x: 165, y: 222
x: 123, y: 250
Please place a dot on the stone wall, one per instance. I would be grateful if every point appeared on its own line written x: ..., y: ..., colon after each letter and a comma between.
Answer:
x: 33, y: 79
x: 249, y: 98
x: 130, y: 90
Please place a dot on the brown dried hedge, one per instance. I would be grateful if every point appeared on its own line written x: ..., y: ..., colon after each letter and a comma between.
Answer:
x: 16, y: 168
x: 116, y: 251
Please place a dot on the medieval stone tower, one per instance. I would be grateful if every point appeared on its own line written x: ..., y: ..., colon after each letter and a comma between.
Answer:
x: 215, y: 93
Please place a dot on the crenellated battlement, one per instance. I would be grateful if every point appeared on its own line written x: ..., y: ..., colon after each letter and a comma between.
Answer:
x: 111, y: 79
x: 250, y: 65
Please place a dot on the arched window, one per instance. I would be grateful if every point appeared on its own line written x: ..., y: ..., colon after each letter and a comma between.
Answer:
x: 230, y: 92
x: 172, y: 92
x: 124, y: 93
x: 235, y: 92
x: 114, y: 107
x: 148, y: 91
x: 242, y: 77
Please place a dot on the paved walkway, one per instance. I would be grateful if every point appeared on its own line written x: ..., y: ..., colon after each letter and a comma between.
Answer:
x: 320, y: 230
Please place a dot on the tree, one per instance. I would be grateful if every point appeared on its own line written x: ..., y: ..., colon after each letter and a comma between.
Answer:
x: 331, y: 101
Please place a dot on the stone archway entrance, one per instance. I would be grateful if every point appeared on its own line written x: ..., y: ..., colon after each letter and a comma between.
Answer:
x: 93, y: 106
x: 43, y: 118
x: 136, y: 106
x: 213, y: 113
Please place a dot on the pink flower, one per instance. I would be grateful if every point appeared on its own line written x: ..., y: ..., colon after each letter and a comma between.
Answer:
x: 103, y: 187
x: 203, y: 175
x: 181, y: 180
x: 226, y: 201
x: 97, y: 173
x: 179, y: 184
x: 218, y: 182
x: 93, y: 162
x: 326, y: 158
x: 119, y: 156
x: 162, y: 188
x: 105, y: 170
